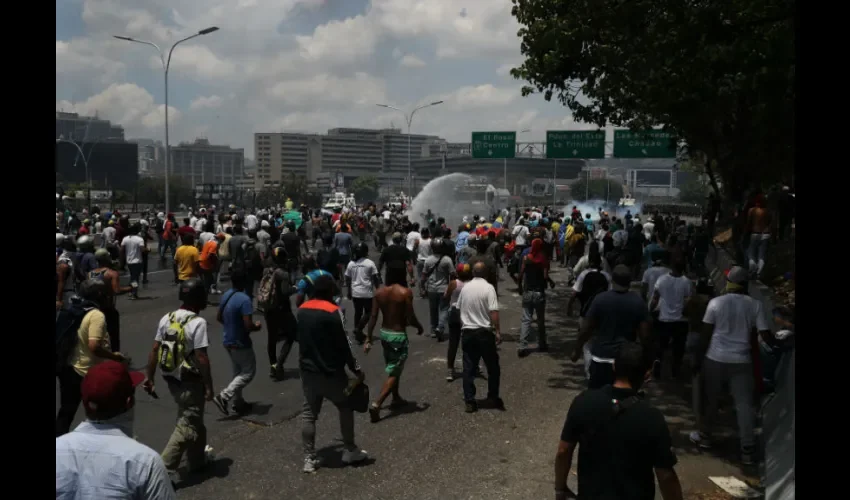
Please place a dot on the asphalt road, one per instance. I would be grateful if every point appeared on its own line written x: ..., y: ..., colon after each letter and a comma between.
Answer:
x: 431, y: 450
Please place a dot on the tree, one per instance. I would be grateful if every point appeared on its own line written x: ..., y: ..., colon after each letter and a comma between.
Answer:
x: 718, y: 74
x: 293, y: 187
x: 694, y: 191
x: 599, y: 189
x: 152, y: 190
x: 365, y: 188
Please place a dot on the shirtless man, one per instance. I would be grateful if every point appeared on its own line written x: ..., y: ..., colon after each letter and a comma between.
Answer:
x: 758, y: 224
x: 395, y: 302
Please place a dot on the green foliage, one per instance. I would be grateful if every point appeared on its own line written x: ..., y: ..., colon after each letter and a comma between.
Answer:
x: 152, y: 190
x: 718, y: 74
x: 365, y: 188
x: 599, y: 189
x: 693, y: 192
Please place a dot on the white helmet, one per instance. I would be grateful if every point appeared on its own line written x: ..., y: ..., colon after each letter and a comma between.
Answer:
x: 60, y: 238
x: 160, y: 215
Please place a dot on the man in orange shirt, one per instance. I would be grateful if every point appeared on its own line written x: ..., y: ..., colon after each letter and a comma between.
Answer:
x: 209, y: 262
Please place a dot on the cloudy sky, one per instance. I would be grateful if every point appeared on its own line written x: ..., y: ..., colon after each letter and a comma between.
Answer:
x: 297, y: 66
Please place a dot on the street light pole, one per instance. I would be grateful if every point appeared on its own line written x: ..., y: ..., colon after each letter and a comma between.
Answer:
x: 166, y: 63
x: 505, y: 161
x: 409, y: 120
x: 86, y: 164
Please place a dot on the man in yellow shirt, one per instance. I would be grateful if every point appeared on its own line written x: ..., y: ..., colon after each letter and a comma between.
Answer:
x: 186, y: 258
x: 92, y: 348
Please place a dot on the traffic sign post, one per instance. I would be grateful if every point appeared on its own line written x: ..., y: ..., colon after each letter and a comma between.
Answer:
x: 643, y: 144
x: 493, y: 144
x: 582, y: 144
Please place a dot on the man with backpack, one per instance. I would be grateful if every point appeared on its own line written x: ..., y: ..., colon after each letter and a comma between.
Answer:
x: 273, y: 298
x: 82, y: 341
x: 622, y: 440
x: 180, y: 351
x: 614, y: 317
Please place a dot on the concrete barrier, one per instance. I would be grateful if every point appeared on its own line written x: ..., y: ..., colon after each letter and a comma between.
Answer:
x: 778, y: 411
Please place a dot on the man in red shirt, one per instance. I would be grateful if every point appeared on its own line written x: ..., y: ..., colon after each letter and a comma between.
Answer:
x: 169, y: 237
x: 186, y: 229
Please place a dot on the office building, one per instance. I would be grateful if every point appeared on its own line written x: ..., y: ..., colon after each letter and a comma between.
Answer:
x: 73, y: 127
x: 200, y: 162
x: 111, y: 165
x: 151, y: 157
x: 349, y: 152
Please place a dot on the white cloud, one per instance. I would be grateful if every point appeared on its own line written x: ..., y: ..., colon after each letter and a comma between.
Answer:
x: 339, y: 41
x: 126, y: 104
x: 411, y: 61
x: 202, y: 102
x: 265, y: 77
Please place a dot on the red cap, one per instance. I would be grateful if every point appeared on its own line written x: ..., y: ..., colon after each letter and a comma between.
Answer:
x: 107, y: 386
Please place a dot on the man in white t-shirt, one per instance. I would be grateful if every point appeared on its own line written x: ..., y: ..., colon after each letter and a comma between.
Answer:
x: 424, y: 250
x: 520, y: 234
x: 480, y: 336
x: 731, y: 323
x: 413, y: 238
x: 190, y: 383
x: 251, y: 221
x: 362, y: 277
x: 670, y: 294
x: 133, y: 251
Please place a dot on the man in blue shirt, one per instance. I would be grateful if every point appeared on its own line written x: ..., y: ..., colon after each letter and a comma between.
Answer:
x: 234, y: 313
x: 100, y: 458
x: 650, y: 249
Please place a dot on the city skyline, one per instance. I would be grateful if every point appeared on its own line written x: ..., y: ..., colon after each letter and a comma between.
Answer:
x: 298, y: 66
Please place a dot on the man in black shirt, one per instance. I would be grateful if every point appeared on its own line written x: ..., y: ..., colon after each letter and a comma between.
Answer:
x: 614, y: 317
x: 397, y: 257
x: 623, y: 439
x: 292, y: 244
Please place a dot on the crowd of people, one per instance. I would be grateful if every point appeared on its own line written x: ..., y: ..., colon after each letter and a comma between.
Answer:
x: 269, y: 256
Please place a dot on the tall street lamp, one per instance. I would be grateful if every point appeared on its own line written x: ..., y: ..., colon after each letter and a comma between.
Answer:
x: 166, y: 63
x: 86, y: 164
x: 409, y: 119
x: 505, y: 161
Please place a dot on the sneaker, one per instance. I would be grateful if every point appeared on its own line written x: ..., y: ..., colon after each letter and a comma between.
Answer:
x: 310, y: 465
x: 471, y: 407
x: 354, y: 456
x: 700, y: 439
x: 374, y: 413
x: 221, y: 404
x: 522, y: 353
x: 451, y: 376
x: 209, y: 454
x: 748, y: 456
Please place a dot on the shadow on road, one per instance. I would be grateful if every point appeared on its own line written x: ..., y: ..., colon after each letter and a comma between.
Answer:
x: 330, y: 457
x: 410, y: 408
x: 220, y: 468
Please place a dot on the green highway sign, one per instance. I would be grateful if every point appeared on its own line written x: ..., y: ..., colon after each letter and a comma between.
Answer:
x: 493, y: 144
x: 575, y: 144
x: 643, y: 144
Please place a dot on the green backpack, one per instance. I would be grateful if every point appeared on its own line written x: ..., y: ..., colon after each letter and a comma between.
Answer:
x: 172, y: 348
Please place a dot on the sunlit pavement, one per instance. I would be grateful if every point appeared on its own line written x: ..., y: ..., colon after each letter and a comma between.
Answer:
x: 430, y: 450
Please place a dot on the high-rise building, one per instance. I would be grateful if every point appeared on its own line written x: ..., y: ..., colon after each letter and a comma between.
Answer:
x: 73, y: 127
x: 200, y: 162
x: 151, y: 157
x: 351, y: 152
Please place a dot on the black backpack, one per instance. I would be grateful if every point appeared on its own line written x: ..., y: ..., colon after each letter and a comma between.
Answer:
x: 68, y: 323
x: 253, y: 261
x: 594, y: 283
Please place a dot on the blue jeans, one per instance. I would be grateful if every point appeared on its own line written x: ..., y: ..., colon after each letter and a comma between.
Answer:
x: 533, y: 301
x: 757, y: 250
x: 438, y: 307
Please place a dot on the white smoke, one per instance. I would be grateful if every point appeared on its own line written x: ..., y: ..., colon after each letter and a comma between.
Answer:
x: 592, y: 207
x: 439, y: 196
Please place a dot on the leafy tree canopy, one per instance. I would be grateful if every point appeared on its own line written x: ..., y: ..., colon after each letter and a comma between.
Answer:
x: 718, y: 74
x: 365, y: 188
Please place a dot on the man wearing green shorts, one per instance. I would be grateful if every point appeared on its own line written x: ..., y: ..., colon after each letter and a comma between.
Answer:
x: 395, y: 302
